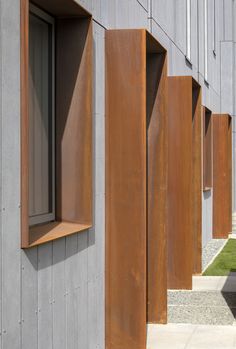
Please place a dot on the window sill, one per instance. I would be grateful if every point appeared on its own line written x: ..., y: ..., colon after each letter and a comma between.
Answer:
x: 41, y: 234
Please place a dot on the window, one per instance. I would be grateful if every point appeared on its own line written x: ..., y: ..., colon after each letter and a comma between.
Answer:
x: 41, y: 117
x: 188, y: 38
x: 206, y: 40
x: 207, y: 149
x: 56, y: 120
x: 214, y: 27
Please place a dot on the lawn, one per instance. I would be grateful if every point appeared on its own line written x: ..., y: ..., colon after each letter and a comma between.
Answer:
x: 225, y: 262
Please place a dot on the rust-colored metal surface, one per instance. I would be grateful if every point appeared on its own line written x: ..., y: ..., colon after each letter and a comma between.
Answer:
x: 207, y: 148
x: 135, y: 186
x: 40, y: 234
x: 180, y: 238
x: 222, y: 175
x: 157, y: 187
x: 196, y: 177
x: 73, y: 120
x: 125, y: 189
x: 62, y: 8
x: 184, y: 181
x: 230, y: 160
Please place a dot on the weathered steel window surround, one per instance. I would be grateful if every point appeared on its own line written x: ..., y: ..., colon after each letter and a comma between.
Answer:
x: 56, y: 120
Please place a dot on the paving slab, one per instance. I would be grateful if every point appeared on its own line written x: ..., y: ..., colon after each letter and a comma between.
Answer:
x: 168, y: 336
x: 212, y: 337
x: 185, y: 336
x: 215, y: 283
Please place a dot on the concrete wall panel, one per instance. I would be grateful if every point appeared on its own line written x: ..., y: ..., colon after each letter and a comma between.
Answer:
x: 227, y: 73
x: 201, y: 26
x: 178, y: 64
x: 228, y: 20
x: 10, y: 161
x: 163, y: 14
x: 124, y: 14
x: 161, y: 36
x: 144, y: 3
x: 194, y: 33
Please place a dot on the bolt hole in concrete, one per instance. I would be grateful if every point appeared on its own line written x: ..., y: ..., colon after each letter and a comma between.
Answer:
x: 203, y: 318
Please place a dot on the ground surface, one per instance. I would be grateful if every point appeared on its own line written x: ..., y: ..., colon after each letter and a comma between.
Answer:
x: 187, y: 336
x: 201, y: 319
x: 211, y: 250
x: 225, y: 262
x: 211, y: 302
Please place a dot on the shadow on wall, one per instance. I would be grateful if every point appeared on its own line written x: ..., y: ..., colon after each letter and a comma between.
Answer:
x: 73, y: 110
x: 52, y: 253
x: 155, y: 63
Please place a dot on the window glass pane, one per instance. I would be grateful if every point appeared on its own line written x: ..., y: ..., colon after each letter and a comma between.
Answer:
x: 206, y: 39
x: 40, y: 117
x: 188, y: 29
x: 214, y: 27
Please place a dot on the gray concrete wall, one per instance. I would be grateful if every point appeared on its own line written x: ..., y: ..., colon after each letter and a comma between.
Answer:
x: 53, y: 296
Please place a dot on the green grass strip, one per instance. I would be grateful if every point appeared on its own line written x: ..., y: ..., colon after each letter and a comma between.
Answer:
x: 225, y: 262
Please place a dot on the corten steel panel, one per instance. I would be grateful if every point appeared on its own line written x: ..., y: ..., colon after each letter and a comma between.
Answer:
x: 157, y: 187
x: 184, y: 181
x: 230, y: 160
x: 62, y: 8
x: 207, y: 148
x: 180, y: 240
x: 125, y: 189
x: 73, y: 122
x: 196, y: 177
x: 222, y: 175
x: 135, y: 151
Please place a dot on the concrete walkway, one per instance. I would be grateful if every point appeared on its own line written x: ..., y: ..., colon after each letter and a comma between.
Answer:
x: 185, y: 336
x: 211, y: 302
x: 195, y: 335
x: 215, y: 283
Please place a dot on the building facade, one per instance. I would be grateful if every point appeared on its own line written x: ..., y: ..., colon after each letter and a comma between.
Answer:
x: 53, y: 295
